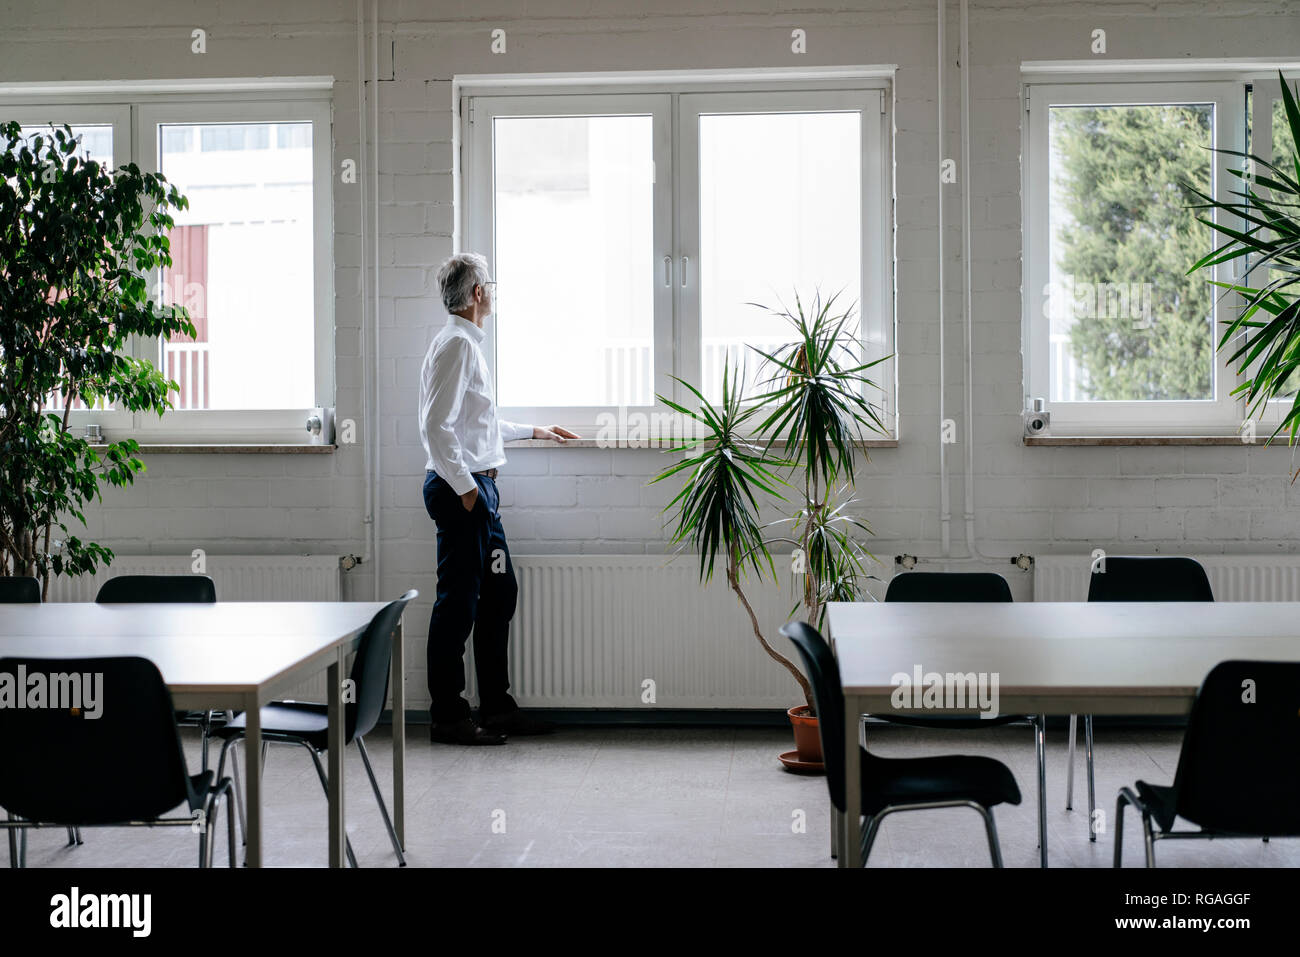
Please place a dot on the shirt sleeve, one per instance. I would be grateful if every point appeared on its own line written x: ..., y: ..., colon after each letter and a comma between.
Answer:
x: 451, y: 371
x: 510, y: 431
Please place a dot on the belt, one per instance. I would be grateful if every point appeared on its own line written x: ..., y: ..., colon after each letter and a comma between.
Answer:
x: 490, y: 473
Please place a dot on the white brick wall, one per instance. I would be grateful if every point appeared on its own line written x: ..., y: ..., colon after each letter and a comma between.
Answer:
x: 1042, y: 499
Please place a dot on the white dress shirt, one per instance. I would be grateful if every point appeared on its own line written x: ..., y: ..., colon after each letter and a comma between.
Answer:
x: 458, y: 420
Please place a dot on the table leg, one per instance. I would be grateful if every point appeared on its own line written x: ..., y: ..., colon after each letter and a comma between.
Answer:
x: 398, y: 684
x: 850, y: 855
x: 334, y: 682
x: 837, y: 823
x: 1040, y: 745
x: 253, y: 781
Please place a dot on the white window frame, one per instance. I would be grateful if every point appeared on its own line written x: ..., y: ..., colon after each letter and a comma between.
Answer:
x: 677, y: 303
x: 1265, y: 91
x: 1222, y: 414
x: 480, y: 232
x: 78, y: 114
x: 254, y: 425
x: 135, y: 109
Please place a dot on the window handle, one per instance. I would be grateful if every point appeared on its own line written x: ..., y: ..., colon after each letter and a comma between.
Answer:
x: 686, y: 261
x: 668, y: 270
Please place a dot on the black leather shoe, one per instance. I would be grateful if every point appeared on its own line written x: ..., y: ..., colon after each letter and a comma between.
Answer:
x: 464, y: 731
x: 518, y: 723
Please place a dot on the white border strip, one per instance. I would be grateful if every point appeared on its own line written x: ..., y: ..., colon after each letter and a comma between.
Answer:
x: 467, y: 81
x: 1260, y: 65
x: 203, y: 85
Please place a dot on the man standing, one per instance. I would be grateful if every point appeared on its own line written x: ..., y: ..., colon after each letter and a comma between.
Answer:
x: 463, y: 439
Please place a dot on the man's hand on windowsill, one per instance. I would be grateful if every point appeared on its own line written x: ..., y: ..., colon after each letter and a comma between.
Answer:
x: 556, y: 433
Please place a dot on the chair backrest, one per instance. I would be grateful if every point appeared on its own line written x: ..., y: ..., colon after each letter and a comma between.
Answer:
x: 157, y: 588
x: 828, y: 695
x: 1158, y: 578
x: 63, y: 767
x: 948, y: 586
x: 1239, y: 768
x: 371, y: 667
x: 19, y: 590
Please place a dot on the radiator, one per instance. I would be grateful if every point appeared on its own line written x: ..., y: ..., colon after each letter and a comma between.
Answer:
x: 591, y: 631
x: 1232, y: 577
x: 237, y: 578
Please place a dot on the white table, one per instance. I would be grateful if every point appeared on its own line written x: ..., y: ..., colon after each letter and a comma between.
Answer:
x: 1110, y: 658
x: 228, y: 656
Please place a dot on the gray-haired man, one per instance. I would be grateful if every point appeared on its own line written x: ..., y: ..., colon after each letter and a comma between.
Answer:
x: 464, y: 441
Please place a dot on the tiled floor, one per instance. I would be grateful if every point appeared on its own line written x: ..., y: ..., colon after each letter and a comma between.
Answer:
x: 650, y: 797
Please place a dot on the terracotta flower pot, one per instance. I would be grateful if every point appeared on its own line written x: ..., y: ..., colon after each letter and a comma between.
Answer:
x: 807, y: 737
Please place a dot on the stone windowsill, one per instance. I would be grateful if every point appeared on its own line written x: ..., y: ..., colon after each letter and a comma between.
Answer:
x: 229, y: 448
x: 1077, y: 441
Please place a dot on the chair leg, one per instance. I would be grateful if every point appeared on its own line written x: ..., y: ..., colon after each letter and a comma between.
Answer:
x: 230, y: 828
x: 1040, y: 744
x: 325, y: 785
x: 1149, y: 838
x: 995, y: 850
x: 1092, y: 801
x: 13, y: 844
x: 1069, y: 764
x: 379, y: 797
x: 22, y: 847
x: 869, y: 837
x: 229, y: 746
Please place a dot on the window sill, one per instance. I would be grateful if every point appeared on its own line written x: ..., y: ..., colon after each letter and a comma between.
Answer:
x: 657, y: 444
x: 230, y: 449
x: 1059, y: 441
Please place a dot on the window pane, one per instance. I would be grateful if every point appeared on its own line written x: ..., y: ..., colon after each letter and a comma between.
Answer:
x: 1126, y: 321
x: 1283, y: 145
x: 573, y: 201
x: 780, y: 214
x: 96, y: 143
x: 242, y: 263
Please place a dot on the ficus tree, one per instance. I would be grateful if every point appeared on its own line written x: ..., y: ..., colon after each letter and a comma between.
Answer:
x: 79, y: 243
x: 801, y: 435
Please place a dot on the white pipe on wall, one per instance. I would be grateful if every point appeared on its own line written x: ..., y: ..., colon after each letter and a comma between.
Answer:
x: 945, y: 509
x: 368, y: 520
x: 374, y: 291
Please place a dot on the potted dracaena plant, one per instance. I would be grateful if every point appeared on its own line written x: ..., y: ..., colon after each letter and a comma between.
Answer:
x: 77, y: 245
x: 800, y: 434
x: 1261, y: 221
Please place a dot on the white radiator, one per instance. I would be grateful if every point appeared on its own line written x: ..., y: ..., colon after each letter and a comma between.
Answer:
x: 590, y: 631
x: 237, y: 578
x: 1232, y: 577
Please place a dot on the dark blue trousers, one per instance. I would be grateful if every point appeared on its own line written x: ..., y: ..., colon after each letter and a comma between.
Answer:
x: 477, y: 591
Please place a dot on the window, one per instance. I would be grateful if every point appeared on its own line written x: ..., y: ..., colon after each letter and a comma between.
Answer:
x: 252, y: 256
x: 629, y: 234
x: 1119, y: 337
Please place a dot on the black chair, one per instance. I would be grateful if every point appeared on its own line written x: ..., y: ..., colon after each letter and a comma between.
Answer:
x: 23, y: 590
x: 157, y: 588
x: 960, y: 587
x: 1125, y: 578
x: 1239, y: 768
x: 307, y: 723
x: 172, y: 589
x: 124, y: 767
x: 19, y: 591
x: 890, y: 785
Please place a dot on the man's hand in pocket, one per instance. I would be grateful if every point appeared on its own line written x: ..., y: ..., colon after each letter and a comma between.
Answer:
x: 469, y: 498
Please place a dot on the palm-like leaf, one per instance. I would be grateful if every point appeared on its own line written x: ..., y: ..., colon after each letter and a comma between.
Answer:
x: 817, y: 404
x: 717, y: 507
x: 1265, y: 335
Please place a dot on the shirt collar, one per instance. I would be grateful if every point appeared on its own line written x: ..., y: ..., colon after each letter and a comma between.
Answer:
x: 467, y: 326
